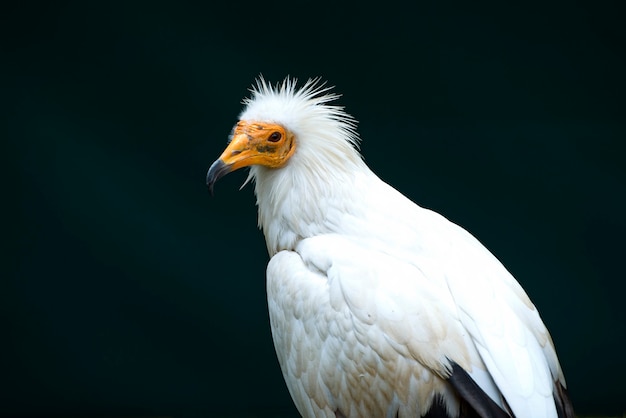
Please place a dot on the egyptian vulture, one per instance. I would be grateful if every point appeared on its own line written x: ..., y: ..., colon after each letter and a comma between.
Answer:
x: 379, y: 307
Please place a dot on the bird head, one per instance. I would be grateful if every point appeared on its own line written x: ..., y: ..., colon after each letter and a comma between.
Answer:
x: 253, y: 143
x: 279, y: 119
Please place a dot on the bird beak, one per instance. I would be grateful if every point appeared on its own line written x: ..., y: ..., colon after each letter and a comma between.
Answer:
x: 240, y: 152
x: 217, y: 170
x: 253, y: 143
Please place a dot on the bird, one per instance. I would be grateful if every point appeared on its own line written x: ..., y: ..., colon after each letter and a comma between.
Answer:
x: 379, y: 307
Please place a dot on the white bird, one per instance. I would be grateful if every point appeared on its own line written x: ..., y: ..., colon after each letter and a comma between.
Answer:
x: 379, y: 307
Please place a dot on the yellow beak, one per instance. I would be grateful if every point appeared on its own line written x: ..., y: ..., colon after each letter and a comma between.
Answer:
x: 253, y: 143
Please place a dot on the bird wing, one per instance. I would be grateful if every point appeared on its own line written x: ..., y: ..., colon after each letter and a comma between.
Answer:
x: 344, y: 336
x: 356, y: 303
x: 505, y: 327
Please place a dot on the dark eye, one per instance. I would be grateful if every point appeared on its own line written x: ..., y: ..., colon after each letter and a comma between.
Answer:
x: 274, y: 137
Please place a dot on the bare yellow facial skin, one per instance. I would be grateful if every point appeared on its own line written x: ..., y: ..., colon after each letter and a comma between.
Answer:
x: 258, y: 143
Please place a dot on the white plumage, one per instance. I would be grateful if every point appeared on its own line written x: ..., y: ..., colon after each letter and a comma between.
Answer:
x: 379, y: 307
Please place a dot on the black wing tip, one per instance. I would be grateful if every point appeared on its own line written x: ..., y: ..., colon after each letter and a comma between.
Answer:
x: 564, y: 407
x: 481, y: 405
x: 478, y: 403
x: 438, y: 409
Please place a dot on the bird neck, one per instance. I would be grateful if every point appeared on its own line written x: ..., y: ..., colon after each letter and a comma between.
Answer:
x: 306, y: 198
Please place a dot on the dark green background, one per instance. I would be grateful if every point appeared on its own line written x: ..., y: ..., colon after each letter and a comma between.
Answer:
x: 128, y: 291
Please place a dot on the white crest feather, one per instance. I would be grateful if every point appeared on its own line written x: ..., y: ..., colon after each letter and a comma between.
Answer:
x: 291, y: 106
x: 325, y: 135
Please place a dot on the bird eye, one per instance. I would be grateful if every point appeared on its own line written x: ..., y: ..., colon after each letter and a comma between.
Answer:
x: 274, y: 137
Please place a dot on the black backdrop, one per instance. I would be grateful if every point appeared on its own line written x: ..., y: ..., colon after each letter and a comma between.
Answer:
x: 128, y: 291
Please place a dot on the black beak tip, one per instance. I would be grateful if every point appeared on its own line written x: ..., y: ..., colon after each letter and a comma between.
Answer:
x: 210, y: 183
x: 217, y: 170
